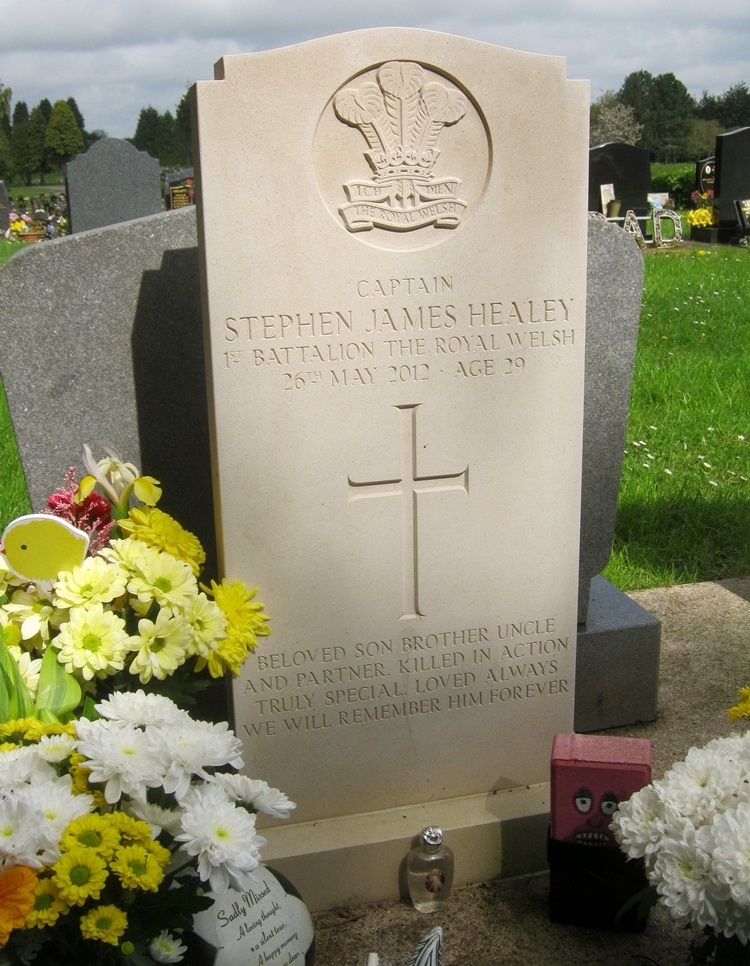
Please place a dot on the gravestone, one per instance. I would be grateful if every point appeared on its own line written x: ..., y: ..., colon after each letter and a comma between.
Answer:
x: 111, y: 182
x: 396, y: 388
x: 179, y: 188
x: 627, y: 168
x: 4, y: 209
x: 732, y: 178
x: 141, y: 305
x: 617, y: 671
x: 705, y: 174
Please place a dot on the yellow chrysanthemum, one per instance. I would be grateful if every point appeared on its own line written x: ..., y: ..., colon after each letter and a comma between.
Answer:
x: 742, y: 708
x: 131, y: 830
x: 105, y: 923
x: 16, y: 898
x: 246, y: 621
x: 137, y: 868
x: 81, y: 784
x: 48, y: 906
x: 160, y: 530
x: 80, y: 874
x: 92, y: 832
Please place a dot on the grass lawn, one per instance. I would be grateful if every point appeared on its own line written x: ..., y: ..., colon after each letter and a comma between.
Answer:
x: 684, y: 508
x: 683, y: 513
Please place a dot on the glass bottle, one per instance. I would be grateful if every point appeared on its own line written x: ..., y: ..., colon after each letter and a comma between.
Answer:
x: 429, y: 870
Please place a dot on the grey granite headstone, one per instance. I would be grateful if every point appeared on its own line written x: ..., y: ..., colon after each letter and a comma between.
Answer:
x: 617, y: 670
x: 110, y: 349
x: 4, y: 209
x: 110, y: 183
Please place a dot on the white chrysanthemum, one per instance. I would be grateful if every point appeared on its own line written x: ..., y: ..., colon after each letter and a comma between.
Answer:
x: 140, y: 708
x: 54, y: 806
x: 23, y: 764
x: 93, y: 642
x: 166, y: 948
x: 161, y: 646
x: 159, y: 819
x: 28, y: 667
x: 35, y: 614
x: 95, y: 580
x: 19, y: 828
x: 702, y: 785
x: 208, y: 624
x: 727, y: 840
x: 683, y: 878
x: 255, y: 793
x: 197, y: 745
x: 164, y: 579
x: 118, y: 755
x: 639, y: 823
x: 222, y: 836
x: 56, y: 748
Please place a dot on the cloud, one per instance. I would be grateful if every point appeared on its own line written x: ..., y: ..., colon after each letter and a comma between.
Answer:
x: 118, y: 57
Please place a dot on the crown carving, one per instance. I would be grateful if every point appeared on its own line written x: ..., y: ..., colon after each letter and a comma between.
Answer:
x: 400, y: 117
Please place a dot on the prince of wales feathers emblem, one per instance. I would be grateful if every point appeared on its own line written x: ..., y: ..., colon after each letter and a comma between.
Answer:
x: 401, y: 117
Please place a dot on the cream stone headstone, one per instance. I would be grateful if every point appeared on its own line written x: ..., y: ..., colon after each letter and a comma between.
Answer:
x: 396, y: 332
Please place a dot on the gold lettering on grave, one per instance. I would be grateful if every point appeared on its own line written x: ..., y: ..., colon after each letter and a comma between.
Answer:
x: 401, y: 116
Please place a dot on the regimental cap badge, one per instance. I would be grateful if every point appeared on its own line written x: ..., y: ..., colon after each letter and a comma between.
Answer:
x: 401, y: 117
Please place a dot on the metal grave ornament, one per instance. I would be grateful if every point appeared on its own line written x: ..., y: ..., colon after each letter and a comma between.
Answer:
x: 401, y: 116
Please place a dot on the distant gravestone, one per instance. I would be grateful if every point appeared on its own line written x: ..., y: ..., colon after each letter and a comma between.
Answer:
x: 4, y: 208
x: 397, y: 390
x: 180, y: 188
x: 112, y: 182
x: 627, y: 168
x: 705, y: 174
x: 732, y: 177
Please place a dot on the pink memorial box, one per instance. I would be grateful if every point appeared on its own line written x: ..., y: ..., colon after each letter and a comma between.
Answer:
x: 590, y: 776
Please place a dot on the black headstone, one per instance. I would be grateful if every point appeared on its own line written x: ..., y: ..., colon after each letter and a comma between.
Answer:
x: 732, y: 174
x: 112, y: 182
x: 705, y: 175
x: 627, y: 168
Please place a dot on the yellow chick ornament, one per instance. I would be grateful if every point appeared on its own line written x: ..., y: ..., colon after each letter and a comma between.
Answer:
x: 38, y: 546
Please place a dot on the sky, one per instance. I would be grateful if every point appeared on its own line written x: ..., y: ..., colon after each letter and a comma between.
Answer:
x: 116, y: 57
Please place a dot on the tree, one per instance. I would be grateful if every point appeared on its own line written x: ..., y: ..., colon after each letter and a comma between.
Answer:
x: 614, y: 121
x: 665, y: 108
x: 148, y: 132
x: 184, y: 120
x: 63, y: 138
x: 37, y: 153
x: 734, y: 106
x: 701, y: 142
x: 20, y: 113
x: 71, y: 102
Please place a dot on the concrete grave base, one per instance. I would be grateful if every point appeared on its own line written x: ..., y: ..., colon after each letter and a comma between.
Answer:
x: 493, y: 835
x: 617, y: 662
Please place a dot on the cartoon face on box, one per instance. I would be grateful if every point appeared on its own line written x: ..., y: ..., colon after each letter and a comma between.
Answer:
x: 591, y: 775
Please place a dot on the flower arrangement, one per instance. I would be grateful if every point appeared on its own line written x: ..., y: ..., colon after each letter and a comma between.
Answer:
x: 113, y: 828
x: 118, y: 809
x: 704, y: 215
x: 692, y: 829
x: 132, y: 612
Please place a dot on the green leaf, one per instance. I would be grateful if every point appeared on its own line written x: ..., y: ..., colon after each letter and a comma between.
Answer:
x: 58, y: 692
x: 15, y: 700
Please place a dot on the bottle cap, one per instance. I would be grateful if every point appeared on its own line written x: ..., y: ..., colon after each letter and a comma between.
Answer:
x: 432, y: 835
